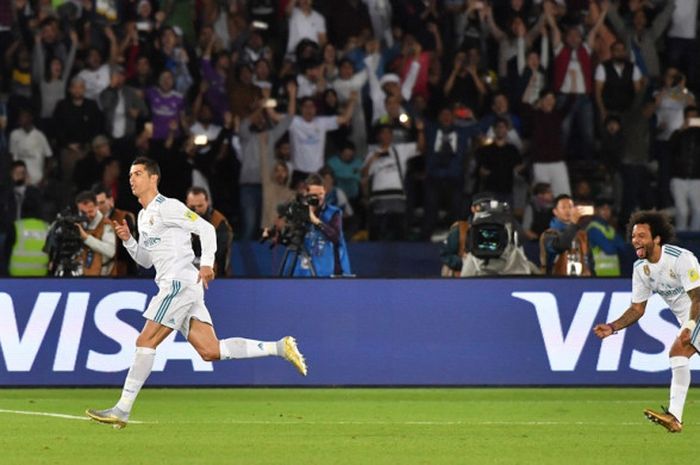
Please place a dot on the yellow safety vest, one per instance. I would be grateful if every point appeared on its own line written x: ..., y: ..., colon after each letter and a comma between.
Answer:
x: 28, y: 257
x: 605, y: 264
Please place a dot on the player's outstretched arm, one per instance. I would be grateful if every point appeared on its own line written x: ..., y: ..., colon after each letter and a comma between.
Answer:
x: 631, y: 315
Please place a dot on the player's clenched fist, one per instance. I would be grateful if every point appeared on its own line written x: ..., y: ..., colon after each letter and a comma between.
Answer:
x: 603, y: 330
x: 122, y: 230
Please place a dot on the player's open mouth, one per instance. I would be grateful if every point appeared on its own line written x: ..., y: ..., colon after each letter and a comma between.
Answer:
x: 640, y: 251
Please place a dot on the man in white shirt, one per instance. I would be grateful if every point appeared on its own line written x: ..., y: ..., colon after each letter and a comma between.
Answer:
x: 386, y: 165
x: 165, y: 228
x: 674, y: 274
x: 304, y: 23
x: 30, y: 145
x: 96, y: 75
x: 307, y: 134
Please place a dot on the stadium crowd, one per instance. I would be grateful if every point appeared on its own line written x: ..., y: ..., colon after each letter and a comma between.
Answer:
x: 406, y: 108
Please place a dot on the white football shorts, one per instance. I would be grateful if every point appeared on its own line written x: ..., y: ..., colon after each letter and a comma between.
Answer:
x: 176, y: 304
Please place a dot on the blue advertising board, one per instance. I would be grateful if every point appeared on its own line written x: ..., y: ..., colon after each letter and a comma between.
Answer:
x: 352, y: 331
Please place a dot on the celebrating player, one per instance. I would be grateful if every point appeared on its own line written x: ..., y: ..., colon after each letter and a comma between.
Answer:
x: 674, y: 274
x: 165, y: 226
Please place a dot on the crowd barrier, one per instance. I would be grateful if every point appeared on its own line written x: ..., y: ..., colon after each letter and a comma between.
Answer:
x: 353, y: 332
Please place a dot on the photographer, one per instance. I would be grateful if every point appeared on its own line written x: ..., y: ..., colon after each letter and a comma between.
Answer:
x: 99, y: 240
x: 105, y: 203
x: 491, y: 242
x: 198, y: 202
x: 323, y: 239
x: 564, y: 249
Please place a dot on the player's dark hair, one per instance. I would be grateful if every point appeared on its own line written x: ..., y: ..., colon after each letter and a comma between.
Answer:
x: 659, y: 224
x: 196, y: 190
x: 151, y: 166
x: 86, y: 196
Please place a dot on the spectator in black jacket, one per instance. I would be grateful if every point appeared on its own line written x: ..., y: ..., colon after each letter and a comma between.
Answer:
x: 685, y: 171
x: 80, y: 121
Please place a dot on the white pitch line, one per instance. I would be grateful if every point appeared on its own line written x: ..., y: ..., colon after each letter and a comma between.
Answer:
x: 57, y: 415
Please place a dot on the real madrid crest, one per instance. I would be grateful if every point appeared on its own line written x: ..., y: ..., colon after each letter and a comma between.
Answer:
x: 150, y: 221
x: 673, y: 275
x: 646, y: 269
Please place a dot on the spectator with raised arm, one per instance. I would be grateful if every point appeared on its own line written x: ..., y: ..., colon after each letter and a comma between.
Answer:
x: 573, y: 77
x: 641, y: 38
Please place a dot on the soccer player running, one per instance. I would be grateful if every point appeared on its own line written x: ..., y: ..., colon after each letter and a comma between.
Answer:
x: 674, y: 274
x: 165, y: 226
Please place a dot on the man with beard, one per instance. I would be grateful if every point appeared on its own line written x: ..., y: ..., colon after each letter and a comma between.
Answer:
x: 674, y: 274
x: 617, y: 80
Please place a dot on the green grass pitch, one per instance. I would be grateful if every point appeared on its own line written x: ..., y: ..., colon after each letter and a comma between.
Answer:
x: 346, y: 426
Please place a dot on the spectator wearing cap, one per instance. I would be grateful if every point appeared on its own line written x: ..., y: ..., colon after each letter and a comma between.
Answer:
x: 122, y: 107
x: 89, y: 169
x: 446, y: 150
x: 390, y: 84
x: 304, y: 23
x: 605, y: 242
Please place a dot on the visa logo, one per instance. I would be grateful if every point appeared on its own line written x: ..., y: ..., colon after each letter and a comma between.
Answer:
x: 564, y: 348
x: 19, y: 350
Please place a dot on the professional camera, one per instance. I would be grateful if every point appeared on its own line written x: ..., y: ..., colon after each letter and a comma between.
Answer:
x: 296, y: 215
x: 63, y: 244
x: 493, y: 244
x: 491, y: 230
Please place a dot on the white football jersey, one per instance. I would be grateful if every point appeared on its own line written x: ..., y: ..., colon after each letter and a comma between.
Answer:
x: 676, y: 273
x: 165, y: 228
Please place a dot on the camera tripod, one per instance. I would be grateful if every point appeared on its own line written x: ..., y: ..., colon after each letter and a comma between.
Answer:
x: 291, y: 256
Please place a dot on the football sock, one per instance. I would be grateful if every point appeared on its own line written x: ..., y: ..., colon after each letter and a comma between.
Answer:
x: 238, y: 347
x: 680, y: 381
x: 138, y: 373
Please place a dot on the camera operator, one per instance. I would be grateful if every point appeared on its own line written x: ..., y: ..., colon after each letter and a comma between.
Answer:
x: 564, y: 249
x: 198, y: 202
x: 488, y: 244
x: 124, y: 266
x: 323, y: 241
x: 99, y: 240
